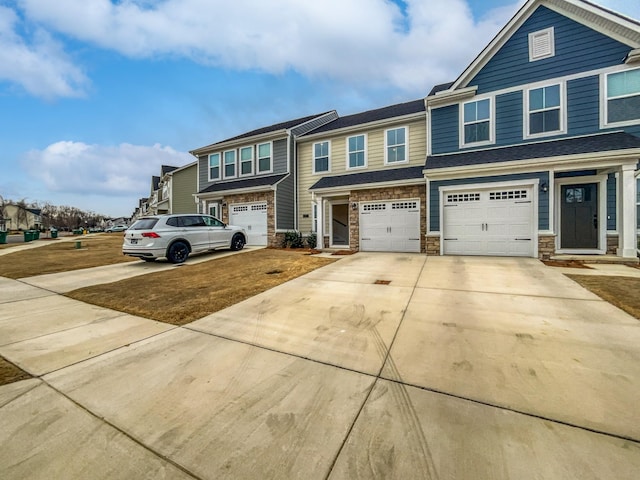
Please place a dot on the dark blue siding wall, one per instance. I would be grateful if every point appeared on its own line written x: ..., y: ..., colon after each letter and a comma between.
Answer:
x: 583, y: 105
x: 510, y: 66
x: 434, y: 197
x: 444, y: 129
x: 611, y: 202
x: 509, y: 118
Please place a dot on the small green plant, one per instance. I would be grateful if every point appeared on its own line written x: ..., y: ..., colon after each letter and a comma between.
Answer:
x: 293, y: 239
x: 312, y: 240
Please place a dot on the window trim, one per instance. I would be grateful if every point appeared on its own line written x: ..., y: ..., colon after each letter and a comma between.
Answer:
x: 235, y: 163
x: 240, y: 161
x: 364, y: 151
x: 209, y: 177
x: 406, y: 145
x: 258, y: 171
x: 552, y: 44
x: 527, y: 113
x: 492, y: 123
x: 313, y: 158
x: 604, y: 100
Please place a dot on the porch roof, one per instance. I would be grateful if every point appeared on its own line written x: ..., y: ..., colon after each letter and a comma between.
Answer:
x: 605, y: 142
x: 253, y: 182
x: 374, y: 176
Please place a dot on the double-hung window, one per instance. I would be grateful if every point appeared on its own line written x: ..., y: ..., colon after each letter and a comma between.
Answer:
x: 321, y: 157
x: 264, y: 157
x: 396, y: 145
x: 229, y: 164
x: 477, y: 122
x: 356, y: 151
x: 544, y: 110
x: 246, y: 160
x: 214, y: 166
x: 623, y: 97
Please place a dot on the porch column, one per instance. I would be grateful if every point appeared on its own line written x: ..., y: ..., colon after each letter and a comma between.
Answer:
x: 627, y: 212
x: 320, y: 222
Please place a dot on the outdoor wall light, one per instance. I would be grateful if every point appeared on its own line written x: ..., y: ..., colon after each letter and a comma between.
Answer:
x: 224, y: 204
x: 544, y: 188
x: 354, y: 206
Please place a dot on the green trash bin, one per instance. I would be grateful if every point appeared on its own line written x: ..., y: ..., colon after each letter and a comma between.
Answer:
x: 28, y: 235
x: 36, y: 234
x: 54, y: 233
x: 3, y: 237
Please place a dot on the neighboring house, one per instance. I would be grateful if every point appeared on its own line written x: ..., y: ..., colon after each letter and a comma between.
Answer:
x: 152, y: 203
x: 250, y: 180
x: 361, y: 184
x: 21, y: 218
x: 533, y: 149
x: 177, y: 188
x: 141, y: 209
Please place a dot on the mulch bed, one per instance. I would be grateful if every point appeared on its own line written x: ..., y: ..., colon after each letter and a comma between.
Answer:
x: 565, y: 263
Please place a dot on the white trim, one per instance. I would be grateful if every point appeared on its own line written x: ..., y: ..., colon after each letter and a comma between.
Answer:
x: 492, y: 122
x: 271, y: 159
x: 219, y: 177
x: 604, y: 100
x: 406, y: 145
x: 330, y: 220
x: 562, y: 116
x: 601, y: 180
x: 364, y: 150
x: 251, y: 173
x: 313, y: 158
x: 368, y: 126
x: 546, y: 34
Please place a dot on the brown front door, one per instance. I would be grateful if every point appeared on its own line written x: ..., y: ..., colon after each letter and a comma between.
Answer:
x: 579, y: 216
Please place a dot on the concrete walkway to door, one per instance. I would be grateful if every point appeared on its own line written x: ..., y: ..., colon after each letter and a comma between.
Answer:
x: 377, y: 366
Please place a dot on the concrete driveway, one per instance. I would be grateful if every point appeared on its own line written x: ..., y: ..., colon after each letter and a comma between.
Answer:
x: 377, y: 366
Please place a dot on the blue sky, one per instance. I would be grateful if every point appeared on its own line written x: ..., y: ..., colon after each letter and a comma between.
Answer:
x: 95, y: 95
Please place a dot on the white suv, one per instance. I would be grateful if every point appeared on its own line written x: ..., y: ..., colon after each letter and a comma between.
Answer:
x: 177, y: 236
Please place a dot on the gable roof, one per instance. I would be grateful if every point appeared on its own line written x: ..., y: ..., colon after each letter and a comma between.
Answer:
x: 390, y: 111
x: 608, y: 22
x: 606, y: 142
x: 253, y: 182
x: 374, y: 176
x: 155, y: 182
x: 164, y: 169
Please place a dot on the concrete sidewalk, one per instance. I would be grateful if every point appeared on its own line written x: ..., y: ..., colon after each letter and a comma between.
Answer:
x: 459, y: 367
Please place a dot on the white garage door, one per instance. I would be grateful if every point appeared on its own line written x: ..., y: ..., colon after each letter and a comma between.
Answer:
x: 253, y: 218
x: 392, y: 226
x: 497, y: 222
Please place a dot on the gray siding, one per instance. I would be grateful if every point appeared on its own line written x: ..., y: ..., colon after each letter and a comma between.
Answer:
x: 284, y: 204
x: 444, y: 129
x: 434, y: 197
x: 203, y: 171
x: 183, y: 187
x: 509, y: 110
x: 280, y: 156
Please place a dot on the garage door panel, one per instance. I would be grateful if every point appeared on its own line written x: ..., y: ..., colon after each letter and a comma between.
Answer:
x: 390, y: 226
x: 253, y: 218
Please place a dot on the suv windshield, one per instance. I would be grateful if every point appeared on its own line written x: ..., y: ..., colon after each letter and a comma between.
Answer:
x: 144, y: 224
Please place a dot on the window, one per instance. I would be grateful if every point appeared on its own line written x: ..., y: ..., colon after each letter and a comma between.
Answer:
x: 214, y: 166
x: 264, y: 157
x: 541, y: 44
x: 212, y: 222
x: 321, y: 157
x: 214, y: 209
x: 229, y: 164
x: 477, y: 122
x: 623, y: 96
x: 544, y: 110
x: 356, y: 156
x: 246, y: 160
x: 396, y: 145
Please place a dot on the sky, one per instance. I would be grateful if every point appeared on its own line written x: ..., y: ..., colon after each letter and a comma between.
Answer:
x: 96, y: 95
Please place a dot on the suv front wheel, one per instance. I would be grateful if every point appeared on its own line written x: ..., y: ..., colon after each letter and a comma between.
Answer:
x: 237, y: 243
x: 178, y: 252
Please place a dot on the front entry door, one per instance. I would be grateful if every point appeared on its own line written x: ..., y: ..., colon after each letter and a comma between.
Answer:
x: 579, y: 216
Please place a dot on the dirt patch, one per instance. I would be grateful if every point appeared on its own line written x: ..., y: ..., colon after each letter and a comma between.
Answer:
x: 344, y: 252
x: 9, y: 373
x: 565, y: 263
x: 619, y: 291
x: 182, y: 295
x: 95, y: 251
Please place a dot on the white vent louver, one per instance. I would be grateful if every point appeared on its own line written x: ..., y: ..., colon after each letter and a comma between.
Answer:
x: 541, y: 44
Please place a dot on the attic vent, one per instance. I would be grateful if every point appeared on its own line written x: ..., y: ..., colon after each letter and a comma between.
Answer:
x: 541, y: 45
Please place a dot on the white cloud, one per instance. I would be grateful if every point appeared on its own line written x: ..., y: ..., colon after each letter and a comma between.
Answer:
x: 116, y: 171
x: 41, y: 67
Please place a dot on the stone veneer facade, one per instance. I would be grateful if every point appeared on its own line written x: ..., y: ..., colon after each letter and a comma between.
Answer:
x: 255, y: 197
x: 386, y: 194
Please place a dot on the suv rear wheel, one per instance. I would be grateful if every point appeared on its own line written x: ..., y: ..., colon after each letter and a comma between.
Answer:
x: 178, y: 252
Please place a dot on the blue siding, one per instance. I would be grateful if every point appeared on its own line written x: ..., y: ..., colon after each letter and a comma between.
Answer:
x: 510, y: 66
x: 583, y: 105
x: 444, y: 129
x: 509, y: 110
x: 611, y: 202
x: 434, y: 197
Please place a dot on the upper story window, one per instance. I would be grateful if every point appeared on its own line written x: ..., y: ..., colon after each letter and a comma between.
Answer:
x: 544, y: 110
x: 321, y: 157
x: 264, y: 158
x: 477, y: 122
x: 246, y: 160
x: 229, y: 164
x: 623, y: 97
x: 541, y: 44
x: 214, y: 166
x: 356, y: 151
x: 396, y: 145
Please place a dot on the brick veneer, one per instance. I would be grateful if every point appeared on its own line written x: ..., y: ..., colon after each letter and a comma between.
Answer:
x: 385, y: 194
x: 272, y: 240
x: 433, y: 245
x: 612, y: 244
x: 546, y: 246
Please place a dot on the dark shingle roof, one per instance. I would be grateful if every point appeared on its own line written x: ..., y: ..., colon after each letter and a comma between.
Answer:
x: 383, y: 113
x: 572, y: 146
x: 440, y: 88
x: 164, y: 169
x: 244, y: 183
x: 155, y: 182
x: 375, y: 176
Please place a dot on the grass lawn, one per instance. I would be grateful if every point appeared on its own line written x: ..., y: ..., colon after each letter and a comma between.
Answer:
x: 623, y: 292
x: 98, y: 250
x: 189, y: 292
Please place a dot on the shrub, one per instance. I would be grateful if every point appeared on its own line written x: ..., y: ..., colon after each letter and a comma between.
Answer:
x: 293, y: 239
x: 312, y: 240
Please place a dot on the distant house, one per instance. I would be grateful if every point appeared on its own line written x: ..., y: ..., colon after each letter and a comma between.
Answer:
x: 21, y: 218
x: 177, y: 189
